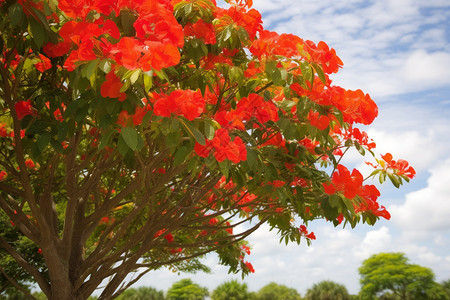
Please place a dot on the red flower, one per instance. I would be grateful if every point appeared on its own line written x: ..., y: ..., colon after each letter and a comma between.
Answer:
x: 3, y: 175
x: 246, y: 249
x: 24, y: 108
x: 3, y: 131
x: 44, y: 65
x: 343, y: 181
x: 399, y: 167
x: 223, y: 147
x: 311, y: 236
x: 169, y: 237
x: 111, y: 87
x: 29, y: 163
x: 187, y: 103
x: 249, y: 267
x: 255, y: 106
x: 319, y: 121
x: 201, y: 30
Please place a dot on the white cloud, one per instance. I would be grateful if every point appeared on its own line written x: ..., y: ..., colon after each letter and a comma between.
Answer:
x: 375, y: 241
x: 428, y: 208
x: 427, y: 69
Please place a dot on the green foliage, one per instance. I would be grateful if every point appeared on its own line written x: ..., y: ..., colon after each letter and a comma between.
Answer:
x: 391, y: 276
x: 327, y: 290
x: 185, y: 289
x: 9, y: 266
x: 231, y: 290
x: 446, y: 286
x: 141, y: 293
x: 274, y: 291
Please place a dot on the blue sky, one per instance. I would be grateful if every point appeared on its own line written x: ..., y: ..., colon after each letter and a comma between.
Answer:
x: 398, y: 52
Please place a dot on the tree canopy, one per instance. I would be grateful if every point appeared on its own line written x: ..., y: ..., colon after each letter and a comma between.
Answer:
x: 391, y: 273
x: 231, y: 290
x: 185, y: 289
x: 142, y: 134
x: 327, y: 290
x: 274, y: 291
x: 141, y: 293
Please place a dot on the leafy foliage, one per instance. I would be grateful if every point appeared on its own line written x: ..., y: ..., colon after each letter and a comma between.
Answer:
x: 231, y: 290
x: 136, y: 135
x: 185, y: 289
x: 142, y: 293
x: 274, y: 291
x: 391, y: 272
x: 327, y: 290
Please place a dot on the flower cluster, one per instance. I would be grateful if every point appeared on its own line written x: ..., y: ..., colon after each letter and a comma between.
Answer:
x: 223, y: 147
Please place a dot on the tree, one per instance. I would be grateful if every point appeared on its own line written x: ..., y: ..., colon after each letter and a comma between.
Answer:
x: 446, y: 285
x: 391, y: 273
x: 185, y: 289
x: 136, y: 135
x: 231, y: 290
x: 274, y: 291
x: 327, y: 290
x: 142, y: 293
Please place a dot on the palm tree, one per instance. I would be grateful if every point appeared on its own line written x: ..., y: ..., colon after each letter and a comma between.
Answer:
x: 185, y: 289
x: 327, y: 290
x: 142, y: 293
x: 274, y: 291
x: 231, y: 290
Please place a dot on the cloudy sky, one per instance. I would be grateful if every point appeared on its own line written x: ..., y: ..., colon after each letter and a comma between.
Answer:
x: 398, y: 52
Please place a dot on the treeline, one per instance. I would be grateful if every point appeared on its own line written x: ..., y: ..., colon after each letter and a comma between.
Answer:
x: 384, y: 276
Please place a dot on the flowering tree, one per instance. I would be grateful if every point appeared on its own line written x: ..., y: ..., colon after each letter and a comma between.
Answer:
x: 147, y: 133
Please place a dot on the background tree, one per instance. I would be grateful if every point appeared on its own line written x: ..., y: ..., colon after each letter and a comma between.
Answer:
x: 185, y: 289
x: 327, y: 290
x: 446, y: 285
x: 231, y: 290
x: 274, y: 291
x: 10, y: 271
x: 140, y: 134
x: 141, y: 293
x: 391, y: 272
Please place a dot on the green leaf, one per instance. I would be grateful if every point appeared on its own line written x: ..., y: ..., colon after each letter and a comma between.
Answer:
x: 122, y: 146
x: 252, y: 158
x: 43, y: 140
x: 106, y: 139
x: 37, y: 32
x: 16, y: 15
x: 162, y: 75
x: 63, y: 129
x: 89, y: 69
x: 193, y: 131
x: 135, y: 76
x: 130, y: 136
x: 224, y: 167
x: 396, y: 181
x: 320, y: 72
x: 57, y: 146
x: 148, y: 82
x: 209, y: 129
x: 105, y: 66
x: 181, y: 155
